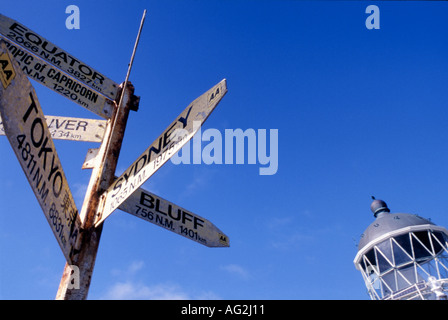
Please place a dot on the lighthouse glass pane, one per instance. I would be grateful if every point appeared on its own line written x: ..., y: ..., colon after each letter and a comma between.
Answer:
x: 388, y: 283
x: 370, y: 261
x: 401, y: 246
x: 439, y: 242
x: 386, y: 250
x: 443, y: 265
x: 401, y: 256
x: 422, y: 246
x: 427, y: 269
x: 405, y: 277
x: 408, y: 273
x: 383, y: 263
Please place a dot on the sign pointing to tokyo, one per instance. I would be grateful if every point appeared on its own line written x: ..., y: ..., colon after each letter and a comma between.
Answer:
x: 28, y: 134
x: 161, y: 150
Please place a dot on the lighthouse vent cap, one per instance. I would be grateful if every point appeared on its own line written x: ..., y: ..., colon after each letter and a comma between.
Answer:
x: 378, y: 206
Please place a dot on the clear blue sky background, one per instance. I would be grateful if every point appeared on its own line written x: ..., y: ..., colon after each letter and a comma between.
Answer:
x: 359, y: 112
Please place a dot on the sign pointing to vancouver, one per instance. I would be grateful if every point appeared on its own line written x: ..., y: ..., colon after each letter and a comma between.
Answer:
x: 28, y: 134
x: 75, y: 129
x: 161, y: 150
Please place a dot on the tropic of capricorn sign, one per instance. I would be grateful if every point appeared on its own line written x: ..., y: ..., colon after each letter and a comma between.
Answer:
x: 25, y: 53
x: 58, y: 70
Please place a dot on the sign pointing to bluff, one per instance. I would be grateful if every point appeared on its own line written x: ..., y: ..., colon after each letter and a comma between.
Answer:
x: 152, y: 208
x: 179, y: 132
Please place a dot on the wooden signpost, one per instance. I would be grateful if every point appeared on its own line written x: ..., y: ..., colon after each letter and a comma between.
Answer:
x: 23, y: 54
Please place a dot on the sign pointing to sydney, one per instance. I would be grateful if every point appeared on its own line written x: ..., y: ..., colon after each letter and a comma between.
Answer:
x: 161, y: 150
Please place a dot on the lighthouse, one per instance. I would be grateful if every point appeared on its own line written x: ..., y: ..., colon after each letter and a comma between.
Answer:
x: 403, y: 256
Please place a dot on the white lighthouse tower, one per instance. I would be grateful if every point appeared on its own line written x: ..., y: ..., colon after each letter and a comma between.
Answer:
x: 403, y: 257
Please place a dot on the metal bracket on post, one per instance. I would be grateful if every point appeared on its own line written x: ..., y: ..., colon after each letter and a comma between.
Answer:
x: 133, y: 101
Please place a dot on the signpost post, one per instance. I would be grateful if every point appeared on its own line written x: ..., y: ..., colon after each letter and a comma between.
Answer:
x: 103, y: 172
x: 102, y: 176
x: 24, y: 53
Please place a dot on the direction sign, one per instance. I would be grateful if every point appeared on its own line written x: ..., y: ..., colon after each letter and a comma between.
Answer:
x: 58, y: 81
x: 76, y: 129
x: 31, y: 141
x: 161, y: 150
x: 154, y: 209
x: 91, y: 159
x: 32, y: 42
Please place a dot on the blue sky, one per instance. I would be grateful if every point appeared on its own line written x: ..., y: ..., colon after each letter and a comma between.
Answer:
x: 359, y: 112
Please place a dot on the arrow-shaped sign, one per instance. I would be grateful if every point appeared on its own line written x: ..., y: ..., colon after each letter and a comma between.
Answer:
x: 28, y: 134
x: 30, y: 41
x: 60, y: 82
x: 76, y: 129
x: 161, y: 150
x: 154, y: 209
